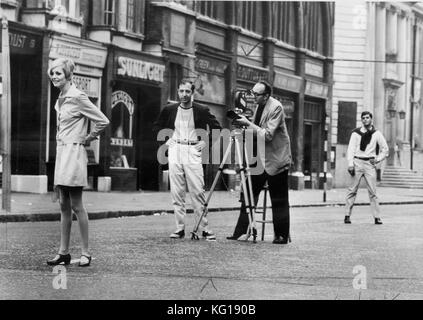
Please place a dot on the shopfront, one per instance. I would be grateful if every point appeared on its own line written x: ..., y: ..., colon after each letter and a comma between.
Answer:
x: 286, y: 88
x: 26, y: 46
x: 134, y: 98
x: 314, y: 126
x: 90, y: 60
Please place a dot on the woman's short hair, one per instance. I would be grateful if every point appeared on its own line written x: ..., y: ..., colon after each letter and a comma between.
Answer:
x: 67, y: 65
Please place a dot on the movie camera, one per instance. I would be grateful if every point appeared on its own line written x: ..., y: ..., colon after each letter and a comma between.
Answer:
x: 244, y: 105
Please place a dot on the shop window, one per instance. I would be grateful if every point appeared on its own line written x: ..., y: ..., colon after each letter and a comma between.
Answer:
x: 122, y: 145
x: 212, y: 9
x: 250, y: 15
x: 283, y: 20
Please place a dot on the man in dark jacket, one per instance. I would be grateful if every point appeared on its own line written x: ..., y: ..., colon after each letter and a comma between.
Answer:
x: 189, y: 121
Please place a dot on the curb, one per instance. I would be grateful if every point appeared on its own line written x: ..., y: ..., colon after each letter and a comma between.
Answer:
x: 40, y: 217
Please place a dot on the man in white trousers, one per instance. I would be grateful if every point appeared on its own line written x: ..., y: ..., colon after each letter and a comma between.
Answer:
x: 186, y: 119
x: 367, y: 147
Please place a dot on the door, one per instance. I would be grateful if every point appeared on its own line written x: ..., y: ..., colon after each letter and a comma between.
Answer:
x: 313, y: 143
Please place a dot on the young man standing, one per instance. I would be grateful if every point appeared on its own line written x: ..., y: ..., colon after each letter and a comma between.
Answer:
x: 186, y: 118
x: 362, y: 158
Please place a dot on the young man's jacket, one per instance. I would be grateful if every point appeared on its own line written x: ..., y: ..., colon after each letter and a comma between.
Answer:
x: 202, y: 117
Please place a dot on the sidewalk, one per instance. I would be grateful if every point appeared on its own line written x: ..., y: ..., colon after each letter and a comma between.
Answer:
x: 100, y: 205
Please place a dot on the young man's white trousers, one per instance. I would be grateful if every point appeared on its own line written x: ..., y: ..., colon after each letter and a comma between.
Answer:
x: 186, y: 170
x: 363, y: 169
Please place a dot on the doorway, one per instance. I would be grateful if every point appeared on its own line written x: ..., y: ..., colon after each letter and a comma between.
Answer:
x: 313, y: 143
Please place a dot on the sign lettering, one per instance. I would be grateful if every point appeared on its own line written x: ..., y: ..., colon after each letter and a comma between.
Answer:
x: 251, y: 74
x: 121, y: 142
x: 88, y: 85
x: 23, y: 43
x: 86, y: 55
x: 140, y: 69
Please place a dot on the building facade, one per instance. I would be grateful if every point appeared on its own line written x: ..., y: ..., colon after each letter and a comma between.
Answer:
x: 377, y: 52
x: 131, y: 55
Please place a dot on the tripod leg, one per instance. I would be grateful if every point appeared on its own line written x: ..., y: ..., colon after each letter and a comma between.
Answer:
x: 194, y: 235
x: 248, y: 195
x: 250, y: 188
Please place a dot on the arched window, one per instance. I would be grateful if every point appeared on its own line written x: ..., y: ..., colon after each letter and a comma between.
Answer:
x: 283, y: 21
x: 313, y: 27
x: 212, y: 9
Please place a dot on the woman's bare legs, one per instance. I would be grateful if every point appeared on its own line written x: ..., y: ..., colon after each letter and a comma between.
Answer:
x: 82, y: 215
x: 65, y: 220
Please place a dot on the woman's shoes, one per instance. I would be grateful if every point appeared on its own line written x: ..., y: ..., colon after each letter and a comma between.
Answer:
x: 60, y: 258
x: 84, y: 261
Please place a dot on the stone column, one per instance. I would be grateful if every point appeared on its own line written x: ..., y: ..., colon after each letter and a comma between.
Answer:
x: 392, y: 84
x: 402, y: 72
x: 297, y: 141
x: 380, y: 40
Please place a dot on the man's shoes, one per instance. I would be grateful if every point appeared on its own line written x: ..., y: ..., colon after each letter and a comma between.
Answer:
x: 347, y: 220
x: 378, y: 221
x: 280, y: 240
x: 178, y: 234
x: 232, y: 238
x: 210, y: 236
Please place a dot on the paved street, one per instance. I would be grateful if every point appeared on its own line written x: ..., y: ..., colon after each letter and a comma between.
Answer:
x: 135, y: 259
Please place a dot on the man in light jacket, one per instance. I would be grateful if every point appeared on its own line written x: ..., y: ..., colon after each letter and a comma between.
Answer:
x: 274, y: 155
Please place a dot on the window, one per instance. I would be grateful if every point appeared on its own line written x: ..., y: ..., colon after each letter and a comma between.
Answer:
x: 130, y: 15
x: 109, y: 12
x: 66, y: 8
x: 313, y: 29
x: 212, y: 9
x: 250, y: 15
x: 283, y: 21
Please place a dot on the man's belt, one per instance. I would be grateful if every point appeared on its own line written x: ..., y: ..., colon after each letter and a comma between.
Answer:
x: 189, y: 143
x: 365, y: 158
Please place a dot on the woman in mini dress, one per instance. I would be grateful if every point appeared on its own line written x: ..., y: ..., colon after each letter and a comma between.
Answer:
x: 74, y: 113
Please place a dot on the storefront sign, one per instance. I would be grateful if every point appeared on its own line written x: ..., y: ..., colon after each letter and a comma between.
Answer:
x: 251, y: 74
x: 210, y: 65
x: 23, y: 43
x: 284, y: 59
x: 123, y: 97
x: 88, y: 85
x: 316, y: 89
x: 140, y: 69
x: 287, y: 82
x: 122, y: 142
x: 86, y: 55
x: 314, y: 69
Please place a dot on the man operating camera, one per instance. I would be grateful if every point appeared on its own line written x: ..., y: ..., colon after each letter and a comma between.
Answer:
x: 269, y: 126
